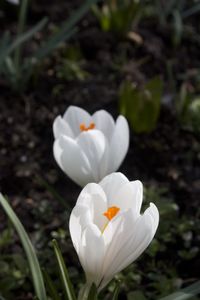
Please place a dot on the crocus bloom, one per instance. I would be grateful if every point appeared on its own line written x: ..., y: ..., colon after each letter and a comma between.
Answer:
x: 107, y: 229
x: 86, y: 147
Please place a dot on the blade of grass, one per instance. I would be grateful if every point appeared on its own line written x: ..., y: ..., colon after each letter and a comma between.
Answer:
x: 21, y: 39
x: 50, y: 286
x: 193, y: 10
x: 92, y: 293
x: 51, y: 45
x: 28, y: 248
x: 116, y: 291
x: 66, y: 30
x: 186, y: 293
x: 20, y: 30
x: 67, y: 285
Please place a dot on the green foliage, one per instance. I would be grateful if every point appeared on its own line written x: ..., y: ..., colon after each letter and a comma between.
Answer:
x: 71, y: 65
x: 186, y: 293
x: 172, y: 14
x: 141, y: 106
x: 29, y: 250
x: 12, y: 62
x: 64, y: 276
x: 118, y: 16
x: 188, y: 109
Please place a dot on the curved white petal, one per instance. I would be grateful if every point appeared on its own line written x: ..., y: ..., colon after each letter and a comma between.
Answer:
x: 111, y: 184
x: 75, y: 116
x: 104, y: 122
x: 116, y: 234
x: 133, y: 246
x: 80, y: 217
x: 92, y: 253
x: 57, y: 152
x: 93, y: 143
x: 97, y: 204
x: 119, y: 144
x: 60, y: 127
x: 92, y: 189
x: 128, y: 196
x: 73, y: 161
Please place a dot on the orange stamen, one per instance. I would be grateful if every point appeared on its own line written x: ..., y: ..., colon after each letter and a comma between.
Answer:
x: 111, y: 212
x: 84, y: 128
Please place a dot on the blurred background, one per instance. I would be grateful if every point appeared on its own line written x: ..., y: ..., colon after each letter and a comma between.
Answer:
x: 136, y: 58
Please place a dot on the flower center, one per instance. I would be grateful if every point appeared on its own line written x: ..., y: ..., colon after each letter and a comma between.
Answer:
x: 84, y: 128
x: 111, y: 212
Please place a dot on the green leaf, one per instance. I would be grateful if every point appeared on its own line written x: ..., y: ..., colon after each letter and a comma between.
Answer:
x: 141, y: 106
x: 67, y: 285
x: 50, y: 286
x: 92, y: 293
x: 178, y: 27
x: 66, y: 30
x: 29, y: 250
x: 21, y: 39
x: 116, y: 291
x: 186, y: 293
x: 52, y: 44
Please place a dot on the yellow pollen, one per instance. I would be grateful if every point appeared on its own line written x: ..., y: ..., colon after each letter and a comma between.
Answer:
x: 111, y: 212
x: 84, y: 128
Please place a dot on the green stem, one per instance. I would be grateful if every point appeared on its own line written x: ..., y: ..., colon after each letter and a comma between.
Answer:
x: 84, y: 292
x: 20, y: 30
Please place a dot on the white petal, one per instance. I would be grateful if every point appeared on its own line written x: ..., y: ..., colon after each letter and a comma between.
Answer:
x: 75, y: 116
x: 119, y: 144
x: 128, y: 196
x: 92, y: 253
x: 97, y: 204
x: 111, y: 184
x: 60, y: 127
x: 57, y: 152
x: 93, y: 144
x: 116, y: 234
x: 80, y: 217
x: 92, y: 189
x: 133, y: 246
x: 73, y: 161
x: 104, y: 122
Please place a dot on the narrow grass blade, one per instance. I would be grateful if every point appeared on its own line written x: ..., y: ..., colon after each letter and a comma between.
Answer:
x: 53, y: 43
x: 50, y: 286
x: 66, y: 30
x: 22, y: 39
x: 29, y: 250
x: 193, y: 10
x: 116, y: 291
x: 68, y: 288
x: 186, y: 293
x: 92, y: 293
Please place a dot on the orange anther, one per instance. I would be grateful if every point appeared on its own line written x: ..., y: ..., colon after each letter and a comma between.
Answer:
x: 111, y: 212
x: 92, y: 126
x: 84, y: 128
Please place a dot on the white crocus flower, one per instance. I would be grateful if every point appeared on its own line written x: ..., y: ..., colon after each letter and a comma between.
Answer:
x: 86, y: 147
x: 107, y: 229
